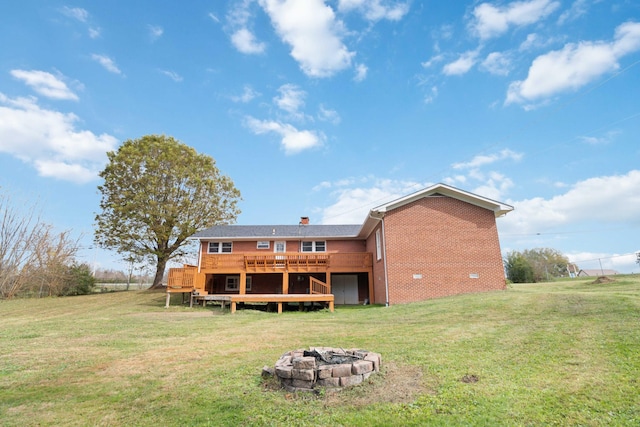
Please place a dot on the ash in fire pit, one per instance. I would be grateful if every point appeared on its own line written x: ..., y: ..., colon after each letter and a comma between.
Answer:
x: 333, y: 368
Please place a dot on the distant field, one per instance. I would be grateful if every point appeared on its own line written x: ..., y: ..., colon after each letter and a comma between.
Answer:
x: 564, y: 353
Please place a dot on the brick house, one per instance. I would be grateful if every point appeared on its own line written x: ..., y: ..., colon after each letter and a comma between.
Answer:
x: 436, y: 242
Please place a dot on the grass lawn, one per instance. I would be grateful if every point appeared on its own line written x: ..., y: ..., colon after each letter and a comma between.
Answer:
x: 563, y: 353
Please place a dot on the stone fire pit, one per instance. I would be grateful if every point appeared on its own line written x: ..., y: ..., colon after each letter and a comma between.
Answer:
x: 327, y: 367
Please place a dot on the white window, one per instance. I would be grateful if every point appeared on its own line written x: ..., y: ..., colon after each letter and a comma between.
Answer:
x: 378, y: 246
x: 280, y: 247
x: 220, y: 247
x: 232, y: 283
x: 317, y: 246
x: 263, y: 244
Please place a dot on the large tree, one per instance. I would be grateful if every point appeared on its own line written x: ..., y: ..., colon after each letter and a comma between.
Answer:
x: 157, y: 192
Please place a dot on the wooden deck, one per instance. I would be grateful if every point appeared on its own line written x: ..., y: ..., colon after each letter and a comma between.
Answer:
x: 279, y: 299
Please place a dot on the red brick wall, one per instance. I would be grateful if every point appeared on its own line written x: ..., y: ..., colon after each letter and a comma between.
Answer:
x: 433, y: 245
x: 292, y: 246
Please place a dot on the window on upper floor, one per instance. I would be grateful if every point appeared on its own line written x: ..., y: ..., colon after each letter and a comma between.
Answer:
x: 263, y: 244
x: 314, y: 246
x: 220, y: 247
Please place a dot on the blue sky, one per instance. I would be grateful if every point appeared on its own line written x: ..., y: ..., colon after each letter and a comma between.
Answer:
x: 328, y: 108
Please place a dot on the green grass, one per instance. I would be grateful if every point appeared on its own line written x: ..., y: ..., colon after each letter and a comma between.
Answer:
x: 562, y: 353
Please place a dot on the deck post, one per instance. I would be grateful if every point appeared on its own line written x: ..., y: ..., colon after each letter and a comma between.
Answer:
x: 233, y: 307
x: 279, y: 308
x: 331, y: 306
x: 243, y: 283
x: 372, y: 299
x: 285, y: 282
x: 168, y: 300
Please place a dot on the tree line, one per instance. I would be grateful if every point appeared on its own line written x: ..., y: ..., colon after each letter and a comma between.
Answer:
x: 36, y: 260
x: 537, y: 265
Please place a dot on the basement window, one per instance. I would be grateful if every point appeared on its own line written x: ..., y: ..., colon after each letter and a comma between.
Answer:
x: 232, y: 283
x: 220, y: 247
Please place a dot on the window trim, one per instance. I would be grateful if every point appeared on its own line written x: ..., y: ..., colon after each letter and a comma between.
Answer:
x: 378, y: 245
x: 220, y: 247
x: 263, y: 244
x: 229, y: 286
x: 314, y: 246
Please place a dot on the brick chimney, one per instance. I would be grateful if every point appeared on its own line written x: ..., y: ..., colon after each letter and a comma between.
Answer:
x: 304, y: 220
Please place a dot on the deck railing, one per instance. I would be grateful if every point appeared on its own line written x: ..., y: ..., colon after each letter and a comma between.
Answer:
x: 181, y: 279
x: 291, y: 261
x: 318, y: 287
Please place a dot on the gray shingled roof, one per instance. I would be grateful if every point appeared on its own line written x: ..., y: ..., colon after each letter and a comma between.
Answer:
x: 277, y: 231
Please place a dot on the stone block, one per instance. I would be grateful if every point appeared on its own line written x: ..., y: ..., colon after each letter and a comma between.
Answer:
x: 329, y: 382
x: 361, y: 366
x: 284, y: 371
x: 349, y: 381
x: 375, y: 359
x: 324, y: 371
x: 343, y: 370
x: 284, y: 360
x: 304, y: 362
x: 303, y: 374
x: 302, y: 384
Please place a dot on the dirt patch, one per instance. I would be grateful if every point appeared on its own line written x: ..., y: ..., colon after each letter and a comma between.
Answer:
x: 603, y: 280
x: 393, y: 384
x: 470, y: 379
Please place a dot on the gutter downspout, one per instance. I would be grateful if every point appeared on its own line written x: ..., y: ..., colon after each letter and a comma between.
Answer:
x: 384, y: 254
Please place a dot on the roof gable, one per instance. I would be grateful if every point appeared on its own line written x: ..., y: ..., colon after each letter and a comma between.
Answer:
x: 378, y: 212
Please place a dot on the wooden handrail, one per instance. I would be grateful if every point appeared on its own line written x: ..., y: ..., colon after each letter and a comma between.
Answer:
x: 318, y: 287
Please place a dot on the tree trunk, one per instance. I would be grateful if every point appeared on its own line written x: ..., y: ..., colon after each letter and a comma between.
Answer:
x: 157, y: 281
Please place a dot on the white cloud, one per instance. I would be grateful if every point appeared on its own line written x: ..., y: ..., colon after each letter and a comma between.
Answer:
x: 76, y: 13
x: 314, y: 34
x: 248, y: 94
x: 574, y: 66
x: 461, y: 65
x: 107, y: 63
x: 622, y: 263
x: 375, y: 10
x: 155, y: 32
x: 431, y: 95
x: 495, y: 185
x: 293, y: 140
x: 352, y: 204
x: 607, y: 199
x: 433, y: 60
x: 361, y: 73
x: 291, y: 99
x: 49, y: 141
x: 172, y: 75
x: 246, y: 42
x: 242, y: 37
x: 492, y: 21
x: 605, y: 139
x: 577, y: 9
x: 327, y: 115
x: 214, y: 18
x: 94, y: 32
x: 46, y: 84
x: 482, y: 160
x: 497, y: 63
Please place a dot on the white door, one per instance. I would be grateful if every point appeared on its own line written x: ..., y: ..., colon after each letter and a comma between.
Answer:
x: 345, y: 288
x: 280, y: 247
